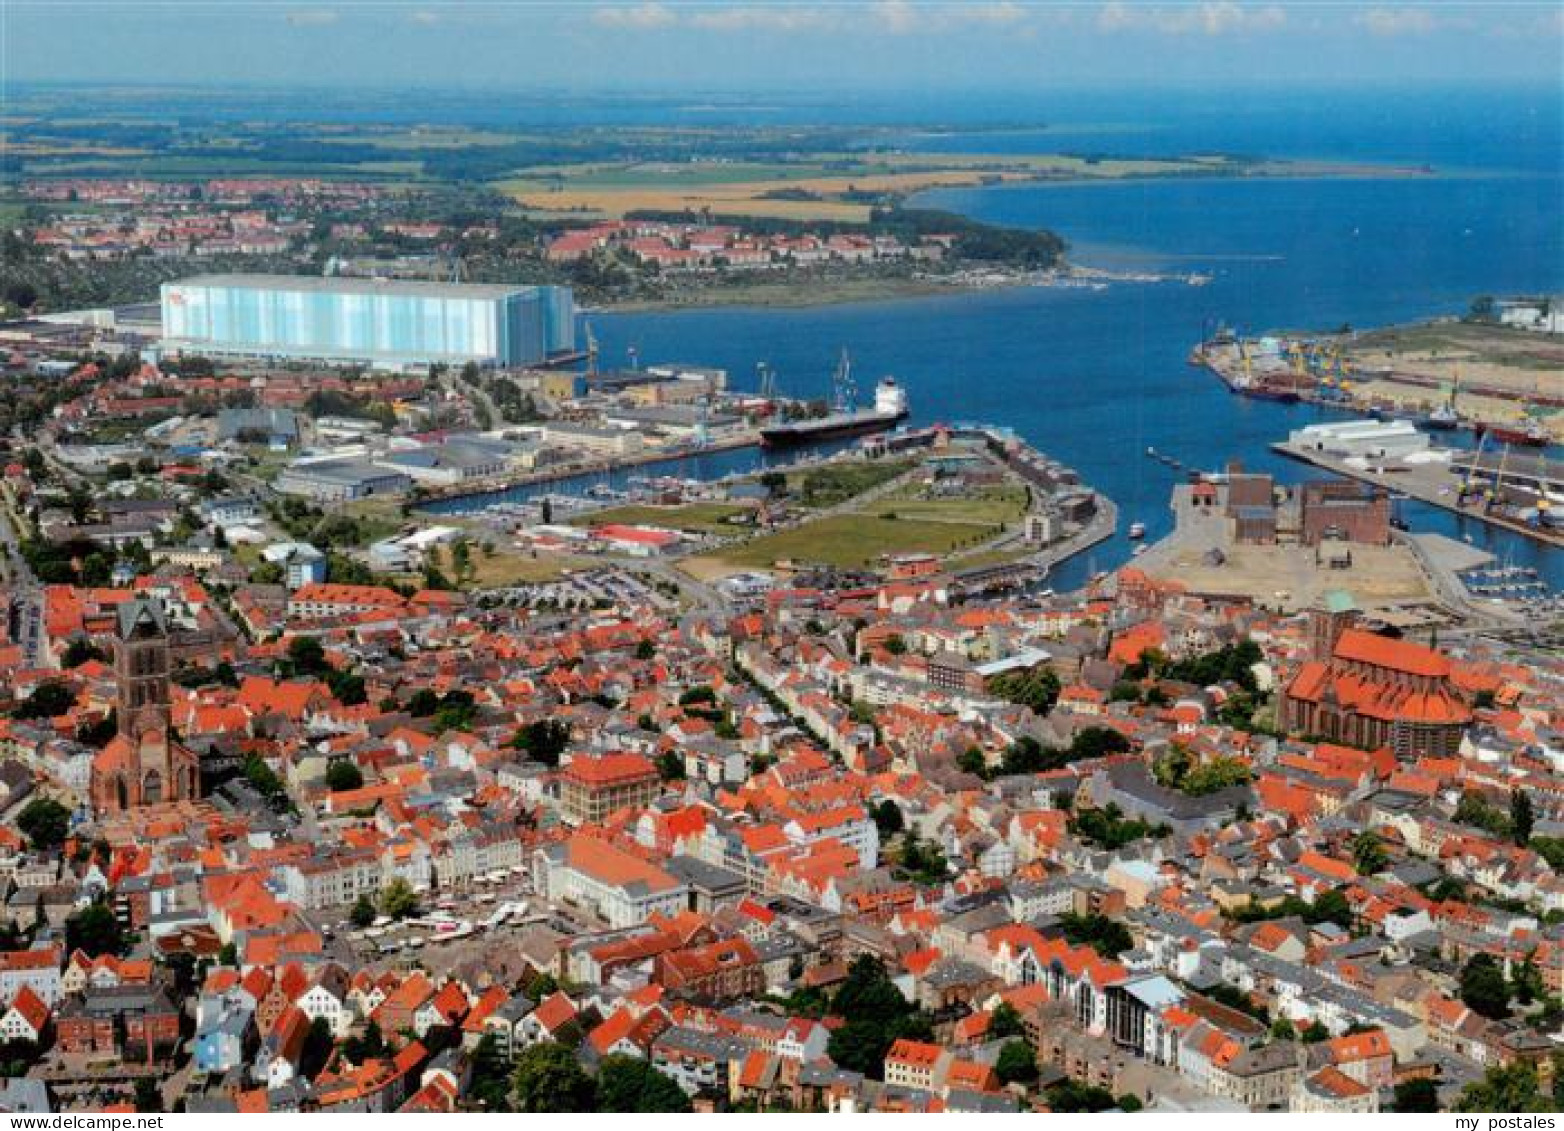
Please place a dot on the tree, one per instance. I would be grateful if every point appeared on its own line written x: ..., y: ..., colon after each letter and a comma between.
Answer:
x: 1037, y: 689
x: 94, y: 930
x: 148, y: 1097
x: 1368, y: 854
x: 343, y: 774
x: 79, y: 651
x: 48, y: 700
x: 347, y: 687
x: 461, y: 561
x: 363, y: 913
x: 45, y: 821
x: 670, y: 766
x: 888, y: 819
x: 628, y: 1083
x: 1072, y: 1096
x: 1509, y: 1088
x: 877, y: 1015
x: 1017, y: 1063
x: 1420, y: 1095
x: 972, y: 761
x: 490, y: 1085
x: 542, y: 985
x: 425, y: 702
x: 265, y: 780
x: 1005, y: 1022
x: 1282, y: 1030
x: 1526, y: 984
x: 1484, y: 989
x: 1106, y: 936
x: 371, y: 1045
x: 543, y: 741
x: 99, y: 732
x: 399, y: 900
x: 1521, y: 817
x: 307, y: 656
x: 548, y: 1078
x: 317, y: 1048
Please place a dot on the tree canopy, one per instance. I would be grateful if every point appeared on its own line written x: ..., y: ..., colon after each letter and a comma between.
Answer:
x: 549, y: 1078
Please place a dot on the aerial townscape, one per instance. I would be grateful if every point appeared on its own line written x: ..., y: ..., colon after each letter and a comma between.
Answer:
x: 687, y: 596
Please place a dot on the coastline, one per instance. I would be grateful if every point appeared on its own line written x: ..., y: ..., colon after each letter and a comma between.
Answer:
x: 789, y: 295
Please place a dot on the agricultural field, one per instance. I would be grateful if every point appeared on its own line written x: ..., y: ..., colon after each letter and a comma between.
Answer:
x: 837, y: 187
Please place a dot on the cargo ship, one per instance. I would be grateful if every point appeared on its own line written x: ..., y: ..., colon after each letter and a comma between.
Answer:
x: 1529, y: 435
x: 845, y: 418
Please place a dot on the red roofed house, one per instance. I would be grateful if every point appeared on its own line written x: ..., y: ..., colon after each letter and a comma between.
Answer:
x: 593, y: 787
x: 27, y: 1018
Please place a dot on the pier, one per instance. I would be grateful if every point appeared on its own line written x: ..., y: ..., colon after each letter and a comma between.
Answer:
x: 582, y: 470
x: 1438, y: 485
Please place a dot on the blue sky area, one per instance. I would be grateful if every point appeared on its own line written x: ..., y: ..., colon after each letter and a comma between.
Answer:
x: 662, y: 45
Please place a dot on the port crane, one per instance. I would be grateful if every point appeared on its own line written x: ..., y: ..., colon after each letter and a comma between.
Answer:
x: 1471, y: 470
x: 844, y: 394
x: 1498, y: 481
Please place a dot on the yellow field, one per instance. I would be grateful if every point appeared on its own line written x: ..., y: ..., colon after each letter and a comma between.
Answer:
x: 612, y: 191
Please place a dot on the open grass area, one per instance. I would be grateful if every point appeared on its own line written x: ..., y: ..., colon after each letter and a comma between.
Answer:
x: 700, y: 518
x: 510, y: 567
x: 856, y: 540
x: 988, y: 508
x: 836, y: 483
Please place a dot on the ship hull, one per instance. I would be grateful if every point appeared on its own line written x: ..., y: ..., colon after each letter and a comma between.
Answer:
x: 1266, y: 393
x: 1516, y: 437
x: 813, y: 432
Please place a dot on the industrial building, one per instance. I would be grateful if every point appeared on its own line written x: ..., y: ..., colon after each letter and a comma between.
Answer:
x: 382, y: 323
x: 1366, y: 439
x: 335, y: 480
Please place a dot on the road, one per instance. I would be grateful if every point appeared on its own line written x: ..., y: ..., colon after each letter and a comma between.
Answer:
x: 24, y: 586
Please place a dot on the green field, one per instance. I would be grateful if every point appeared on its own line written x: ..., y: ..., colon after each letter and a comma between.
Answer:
x: 991, y: 508
x: 698, y: 518
x: 837, y: 482
x: 856, y: 540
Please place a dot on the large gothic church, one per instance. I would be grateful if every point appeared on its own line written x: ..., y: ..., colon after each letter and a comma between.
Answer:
x: 144, y: 764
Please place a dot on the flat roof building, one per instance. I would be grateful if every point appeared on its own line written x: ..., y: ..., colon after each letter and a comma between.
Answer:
x: 391, y: 324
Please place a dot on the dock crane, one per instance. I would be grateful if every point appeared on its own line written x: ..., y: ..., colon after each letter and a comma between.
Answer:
x: 1498, y: 481
x: 1471, y: 470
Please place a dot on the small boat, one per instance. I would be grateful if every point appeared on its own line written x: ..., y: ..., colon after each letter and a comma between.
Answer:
x: 1442, y: 419
x: 1139, y: 550
x: 1137, y: 530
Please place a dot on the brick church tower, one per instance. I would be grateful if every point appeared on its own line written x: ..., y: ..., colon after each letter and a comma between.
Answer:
x: 143, y: 764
